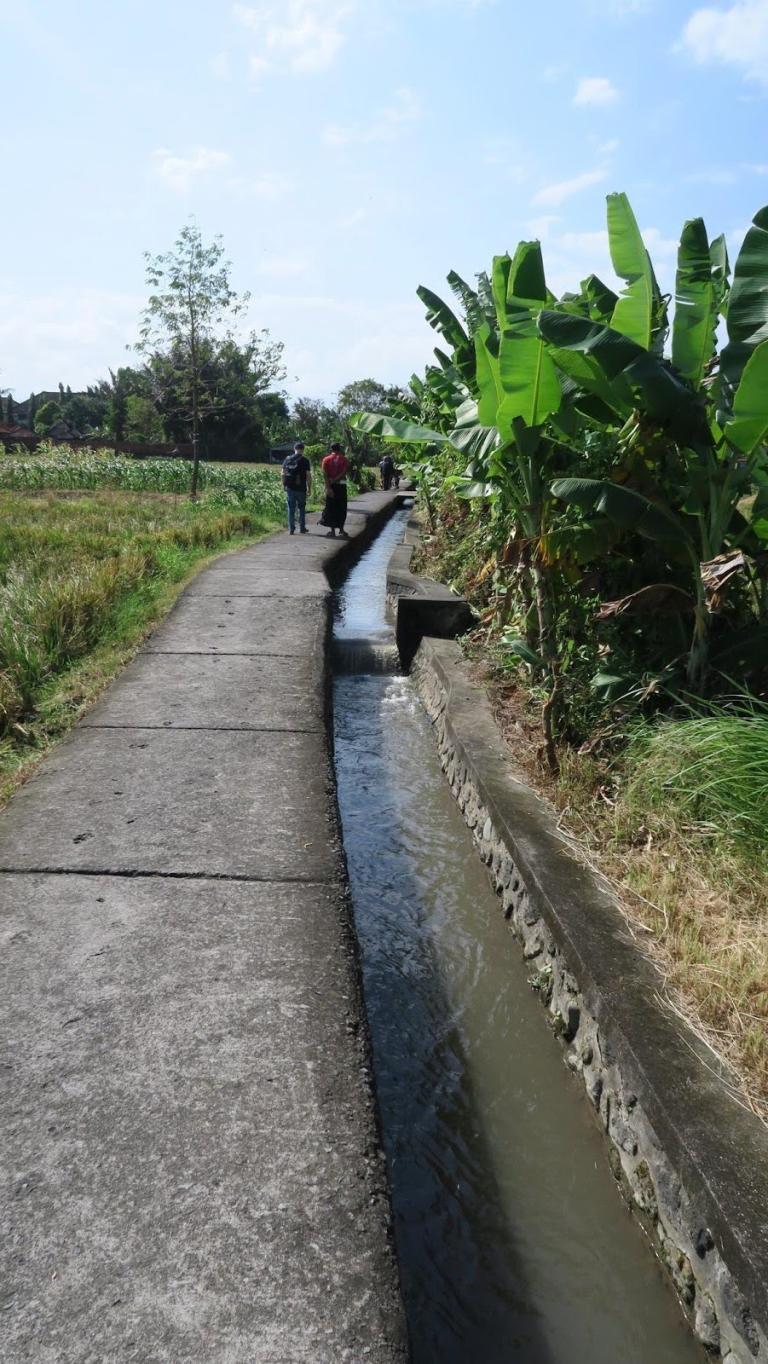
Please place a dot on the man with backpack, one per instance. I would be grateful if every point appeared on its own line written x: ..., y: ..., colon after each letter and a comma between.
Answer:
x: 297, y: 481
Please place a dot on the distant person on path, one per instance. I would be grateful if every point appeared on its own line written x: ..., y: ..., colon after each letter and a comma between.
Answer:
x: 335, y: 467
x: 297, y: 481
x: 387, y: 471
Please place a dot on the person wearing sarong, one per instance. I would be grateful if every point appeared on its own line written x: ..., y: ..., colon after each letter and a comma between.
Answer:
x: 334, y: 468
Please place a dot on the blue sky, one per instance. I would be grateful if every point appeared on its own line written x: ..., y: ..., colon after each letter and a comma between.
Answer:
x: 349, y: 150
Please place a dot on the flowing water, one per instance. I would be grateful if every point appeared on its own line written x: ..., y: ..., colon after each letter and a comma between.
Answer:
x: 513, y: 1241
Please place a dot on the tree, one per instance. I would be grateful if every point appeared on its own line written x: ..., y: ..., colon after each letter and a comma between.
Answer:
x: 10, y: 410
x: 238, y: 412
x: 31, y: 410
x: 47, y: 415
x: 122, y: 384
x: 191, y: 297
x: 314, y: 422
x: 364, y: 395
x: 142, y: 420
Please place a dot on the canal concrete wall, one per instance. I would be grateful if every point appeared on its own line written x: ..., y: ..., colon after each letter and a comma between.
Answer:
x: 692, y: 1162
x: 191, y: 1168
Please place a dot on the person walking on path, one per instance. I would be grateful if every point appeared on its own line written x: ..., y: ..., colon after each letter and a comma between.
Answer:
x: 387, y: 471
x: 335, y: 467
x: 297, y: 482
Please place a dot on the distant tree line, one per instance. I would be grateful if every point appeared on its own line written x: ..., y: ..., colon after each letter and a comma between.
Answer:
x: 196, y: 380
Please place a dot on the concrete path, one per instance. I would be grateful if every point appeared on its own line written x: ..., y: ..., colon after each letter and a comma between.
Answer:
x: 189, y: 1158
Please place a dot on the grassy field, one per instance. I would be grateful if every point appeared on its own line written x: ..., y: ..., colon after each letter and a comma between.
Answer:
x: 83, y: 577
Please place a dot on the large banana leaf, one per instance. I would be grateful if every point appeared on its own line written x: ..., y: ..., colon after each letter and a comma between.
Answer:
x: 600, y: 300
x: 395, y: 429
x: 527, y: 373
x: 488, y: 377
x: 440, y: 316
x: 529, y: 379
x: 747, y: 314
x: 499, y: 287
x: 632, y: 373
x: 636, y: 312
x: 696, y: 304
x: 473, y: 305
x: 718, y: 254
x: 470, y: 435
x: 626, y: 508
x: 585, y: 373
x: 748, y: 427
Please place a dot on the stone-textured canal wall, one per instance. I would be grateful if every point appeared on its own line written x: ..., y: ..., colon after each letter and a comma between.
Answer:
x: 690, y: 1160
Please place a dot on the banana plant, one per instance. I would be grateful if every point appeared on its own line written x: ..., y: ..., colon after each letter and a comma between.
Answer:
x: 713, y: 410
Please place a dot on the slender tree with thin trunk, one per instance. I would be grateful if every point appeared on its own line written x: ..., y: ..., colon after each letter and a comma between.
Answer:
x: 190, y: 302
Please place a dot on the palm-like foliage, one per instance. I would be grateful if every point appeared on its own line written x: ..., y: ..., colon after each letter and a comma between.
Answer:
x: 532, y: 385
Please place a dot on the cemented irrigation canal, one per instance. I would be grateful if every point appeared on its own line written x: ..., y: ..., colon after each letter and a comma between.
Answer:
x: 513, y: 1241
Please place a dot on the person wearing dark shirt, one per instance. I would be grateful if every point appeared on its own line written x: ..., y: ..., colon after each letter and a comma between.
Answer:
x: 297, y: 482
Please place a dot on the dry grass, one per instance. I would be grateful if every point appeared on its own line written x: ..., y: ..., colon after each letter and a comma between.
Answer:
x: 83, y: 578
x: 699, y: 907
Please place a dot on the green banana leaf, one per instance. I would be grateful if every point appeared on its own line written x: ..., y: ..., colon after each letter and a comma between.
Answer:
x: 748, y: 427
x: 600, y: 300
x: 499, y: 287
x: 470, y: 435
x: 474, y: 309
x: 527, y: 374
x: 747, y: 313
x: 636, y: 312
x: 394, y: 428
x: 718, y: 253
x: 440, y: 316
x: 586, y: 374
x: 696, y: 304
x: 487, y: 374
x: 529, y: 379
x: 634, y: 375
x: 628, y: 509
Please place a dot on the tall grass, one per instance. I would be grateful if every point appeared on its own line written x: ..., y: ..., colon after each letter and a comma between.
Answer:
x: 710, y: 772
x: 79, y: 573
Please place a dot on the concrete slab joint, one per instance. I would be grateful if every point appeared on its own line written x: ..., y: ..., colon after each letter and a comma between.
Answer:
x: 191, y: 1166
x: 691, y: 1162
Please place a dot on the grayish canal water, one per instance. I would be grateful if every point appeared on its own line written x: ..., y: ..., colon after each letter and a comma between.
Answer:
x: 513, y: 1241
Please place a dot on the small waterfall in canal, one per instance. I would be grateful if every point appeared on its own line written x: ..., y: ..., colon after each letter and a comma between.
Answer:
x: 514, y: 1244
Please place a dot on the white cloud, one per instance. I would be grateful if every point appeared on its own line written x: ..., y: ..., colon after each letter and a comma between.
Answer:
x: 181, y: 171
x: 597, y: 90
x: 736, y: 35
x: 300, y: 36
x: 404, y: 109
x: 72, y: 335
x: 552, y: 196
x: 609, y: 147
